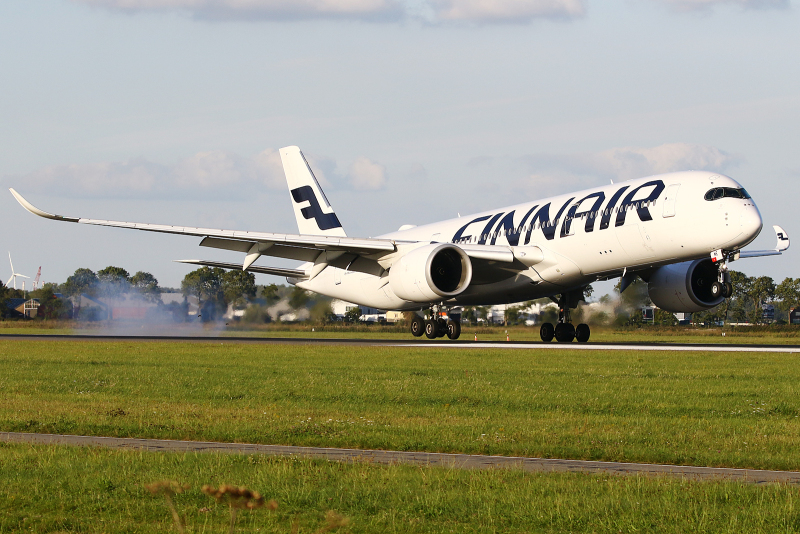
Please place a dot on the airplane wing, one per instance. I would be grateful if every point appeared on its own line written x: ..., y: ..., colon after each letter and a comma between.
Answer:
x: 356, y: 254
x: 783, y: 244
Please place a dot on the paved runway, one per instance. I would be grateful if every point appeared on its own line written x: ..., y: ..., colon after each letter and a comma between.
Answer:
x: 456, y: 461
x: 422, y: 343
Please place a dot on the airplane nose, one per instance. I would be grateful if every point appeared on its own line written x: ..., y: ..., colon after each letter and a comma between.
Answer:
x: 750, y: 221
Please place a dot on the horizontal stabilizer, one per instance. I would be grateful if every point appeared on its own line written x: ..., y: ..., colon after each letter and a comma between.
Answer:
x: 783, y: 244
x: 276, y: 271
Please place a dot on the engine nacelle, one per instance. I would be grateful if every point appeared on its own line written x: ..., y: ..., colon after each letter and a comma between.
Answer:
x: 431, y: 273
x: 684, y: 287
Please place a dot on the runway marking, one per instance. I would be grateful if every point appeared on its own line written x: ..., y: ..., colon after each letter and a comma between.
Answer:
x: 422, y: 343
x: 453, y: 461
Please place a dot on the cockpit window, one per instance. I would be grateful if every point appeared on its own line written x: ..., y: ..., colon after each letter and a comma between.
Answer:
x: 726, y: 192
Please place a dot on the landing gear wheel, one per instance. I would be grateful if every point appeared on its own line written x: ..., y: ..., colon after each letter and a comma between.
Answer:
x: 453, y: 329
x: 728, y: 293
x: 717, y: 289
x: 417, y: 326
x: 582, y: 333
x: 431, y: 329
x: 565, y: 333
x: 547, y: 332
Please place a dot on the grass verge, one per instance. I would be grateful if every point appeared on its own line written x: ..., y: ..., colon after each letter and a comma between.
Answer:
x: 61, y: 489
x: 695, y: 408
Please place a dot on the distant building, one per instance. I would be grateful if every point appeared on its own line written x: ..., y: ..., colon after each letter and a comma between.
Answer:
x: 22, y: 308
x: 794, y: 316
x: 768, y: 313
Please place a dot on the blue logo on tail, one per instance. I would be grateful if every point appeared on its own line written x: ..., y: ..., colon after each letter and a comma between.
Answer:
x: 325, y: 221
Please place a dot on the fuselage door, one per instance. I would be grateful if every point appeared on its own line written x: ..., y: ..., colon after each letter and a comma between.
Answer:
x: 669, y: 200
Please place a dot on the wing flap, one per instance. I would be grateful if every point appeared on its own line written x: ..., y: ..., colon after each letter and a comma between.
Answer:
x: 276, y: 271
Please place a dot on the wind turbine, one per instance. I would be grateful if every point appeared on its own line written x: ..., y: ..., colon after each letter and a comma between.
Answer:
x: 14, y: 275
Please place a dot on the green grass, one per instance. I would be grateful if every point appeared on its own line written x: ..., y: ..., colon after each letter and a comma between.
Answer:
x: 715, y: 409
x: 61, y: 489
x: 772, y: 334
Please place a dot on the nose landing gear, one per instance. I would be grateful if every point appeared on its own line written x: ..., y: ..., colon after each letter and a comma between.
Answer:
x: 564, y: 331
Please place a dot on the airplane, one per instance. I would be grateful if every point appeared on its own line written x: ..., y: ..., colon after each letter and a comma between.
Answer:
x: 678, y: 232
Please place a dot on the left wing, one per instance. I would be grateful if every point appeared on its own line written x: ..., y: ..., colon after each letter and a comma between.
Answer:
x: 355, y: 254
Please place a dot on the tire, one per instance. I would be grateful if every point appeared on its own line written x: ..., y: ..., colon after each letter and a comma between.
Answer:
x: 431, y: 329
x: 565, y: 333
x: 417, y: 326
x: 547, y: 331
x: 453, y: 329
x: 582, y: 333
x: 717, y: 289
x: 442, y: 331
x: 728, y: 290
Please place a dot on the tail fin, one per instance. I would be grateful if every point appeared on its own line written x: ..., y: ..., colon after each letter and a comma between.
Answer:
x: 312, y: 210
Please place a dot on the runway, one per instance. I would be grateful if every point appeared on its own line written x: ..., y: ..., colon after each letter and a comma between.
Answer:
x: 453, y: 461
x: 421, y: 343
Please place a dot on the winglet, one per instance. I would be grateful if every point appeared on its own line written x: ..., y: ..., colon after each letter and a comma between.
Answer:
x: 36, y: 211
x: 783, y: 239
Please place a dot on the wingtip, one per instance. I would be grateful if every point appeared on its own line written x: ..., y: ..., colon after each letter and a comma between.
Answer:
x: 36, y: 211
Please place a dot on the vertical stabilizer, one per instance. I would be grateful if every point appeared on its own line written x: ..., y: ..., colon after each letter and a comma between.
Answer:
x: 312, y: 210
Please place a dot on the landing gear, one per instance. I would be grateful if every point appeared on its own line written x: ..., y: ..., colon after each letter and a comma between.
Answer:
x: 723, y: 287
x: 453, y: 329
x: 435, y: 326
x: 547, y: 332
x: 582, y: 333
x: 431, y: 329
x: 564, y: 331
x: 417, y: 326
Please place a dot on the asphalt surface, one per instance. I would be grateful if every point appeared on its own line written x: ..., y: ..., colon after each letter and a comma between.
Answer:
x: 454, y: 461
x: 421, y: 343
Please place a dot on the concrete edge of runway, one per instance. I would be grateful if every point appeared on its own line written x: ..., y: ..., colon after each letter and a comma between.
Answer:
x: 414, y: 343
x: 453, y: 461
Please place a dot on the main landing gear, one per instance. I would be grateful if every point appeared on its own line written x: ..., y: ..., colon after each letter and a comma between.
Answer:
x: 436, y: 325
x: 564, y: 331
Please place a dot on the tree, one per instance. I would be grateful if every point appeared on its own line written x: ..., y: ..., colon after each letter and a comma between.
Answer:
x: 269, y: 294
x: 238, y: 287
x: 146, y: 285
x: 321, y: 311
x: 206, y: 284
x: 114, y: 281
x: 3, y: 299
x: 82, y: 281
x: 353, y: 315
x: 299, y: 298
x: 761, y: 291
x: 788, y: 293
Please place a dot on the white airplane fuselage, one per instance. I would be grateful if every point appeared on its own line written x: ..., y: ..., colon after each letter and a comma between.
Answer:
x: 580, y: 237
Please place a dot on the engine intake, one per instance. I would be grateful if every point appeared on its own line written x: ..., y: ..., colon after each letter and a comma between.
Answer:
x: 431, y: 273
x: 684, y: 287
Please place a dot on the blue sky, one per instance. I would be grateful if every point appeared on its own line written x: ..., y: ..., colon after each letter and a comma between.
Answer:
x: 171, y: 111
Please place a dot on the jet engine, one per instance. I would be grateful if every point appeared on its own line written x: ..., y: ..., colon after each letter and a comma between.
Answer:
x: 431, y: 273
x: 684, y: 287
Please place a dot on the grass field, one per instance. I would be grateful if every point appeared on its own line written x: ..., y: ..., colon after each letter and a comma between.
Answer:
x: 714, y: 409
x: 60, y: 489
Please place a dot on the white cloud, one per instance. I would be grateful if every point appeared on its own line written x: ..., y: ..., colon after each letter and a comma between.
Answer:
x: 625, y: 163
x: 215, y: 172
x: 265, y: 9
x: 507, y: 10
x: 630, y: 162
x: 486, y: 11
x: 703, y: 5
x: 367, y: 175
